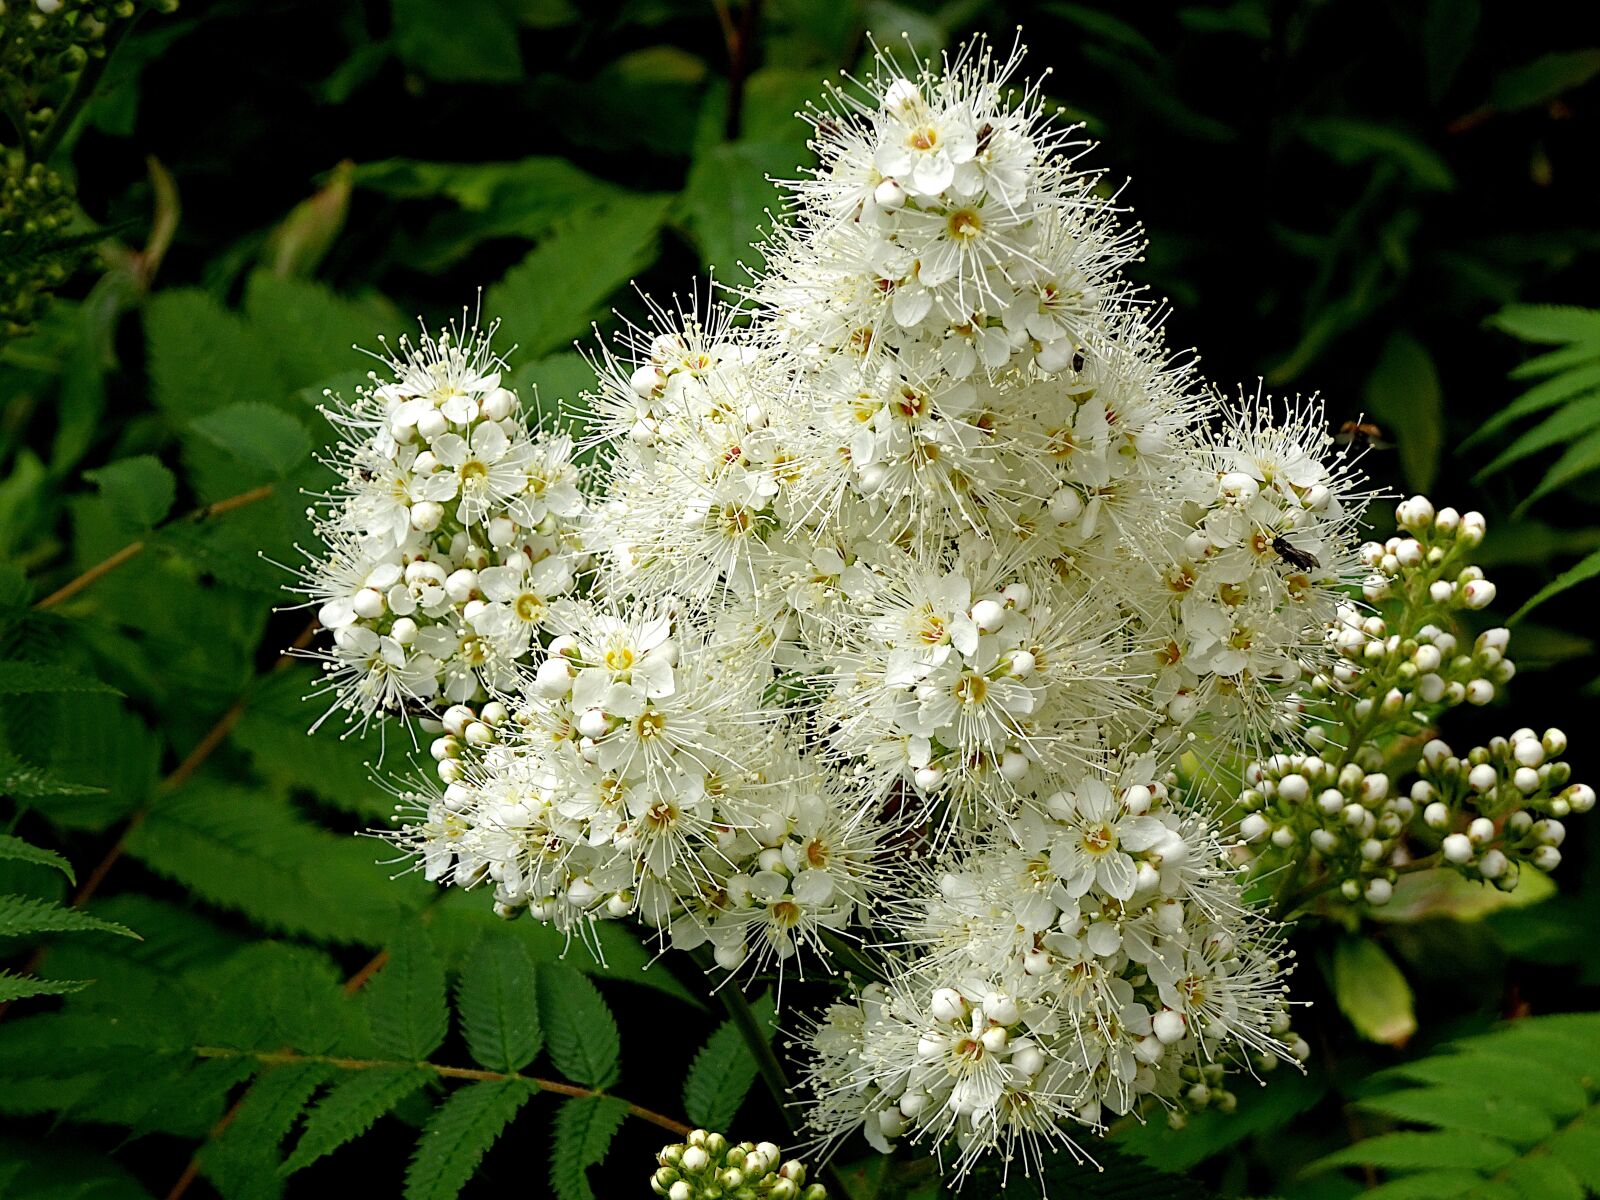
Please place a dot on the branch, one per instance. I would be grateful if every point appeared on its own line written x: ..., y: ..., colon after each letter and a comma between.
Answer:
x: 278, y: 1058
x: 133, y: 549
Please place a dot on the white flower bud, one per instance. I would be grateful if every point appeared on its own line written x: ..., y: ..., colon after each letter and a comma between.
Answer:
x: 1457, y: 849
x: 889, y: 194
x: 431, y: 424
x: 1480, y: 830
x: 1379, y: 892
x: 1546, y: 858
x: 1493, y: 865
x: 948, y: 1005
x: 1238, y: 487
x: 499, y: 404
x: 1481, y: 778
x: 426, y: 515
x: 1480, y: 692
x: 461, y: 584
x: 1066, y: 505
x: 1168, y: 1026
x: 1436, y: 816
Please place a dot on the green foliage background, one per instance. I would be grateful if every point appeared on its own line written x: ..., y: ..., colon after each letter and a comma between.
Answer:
x: 1394, y: 204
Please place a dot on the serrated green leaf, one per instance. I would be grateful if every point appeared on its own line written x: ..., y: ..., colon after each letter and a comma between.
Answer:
x: 1578, y: 460
x: 14, y: 849
x: 204, y: 358
x: 458, y: 1135
x: 1561, y: 389
x: 18, y: 778
x: 258, y: 434
x: 1573, y: 418
x: 553, y: 294
x: 37, y: 679
x: 1543, y: 1179
x: 24, y: 916
x: 138, y: 491
x: 580, y: 1136
x: 251, y: 851
x: 1572, y: 576
x: 242, y: 1162
x: 727, y: 199
x: 579, y: 1029
x: 1550, y: 324
x: 498, y: 1001
x: 351, y: 1107
x: 313, y: 331
x: 1372, y: 992
x: 20, y: 987
x: 1448, y: 1108
x: 723, y: 1071
x: 1417, y: 1151
x: 406, y: 1001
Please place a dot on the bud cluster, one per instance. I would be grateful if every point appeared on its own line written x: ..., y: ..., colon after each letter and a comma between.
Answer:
x: 1341, y: 817
x: 453, y: 529
x: 1500, y: 805
x: 706, y: 1166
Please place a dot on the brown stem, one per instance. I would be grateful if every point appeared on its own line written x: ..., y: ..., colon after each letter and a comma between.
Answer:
x: 278, y: 1058
x: 740, y: 46
x: 133, y: 549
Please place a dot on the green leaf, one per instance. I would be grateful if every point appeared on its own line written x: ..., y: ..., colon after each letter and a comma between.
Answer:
x: 1561, y: 389
x: 20, y: 987
x: 1560, y: 427
x: 406, y: 1001
x: 1578, y: 460
x: 24, y: 915
x: 498, y: 1000
x: 728, y: 199
x: 350, y: 1108
x: 203, y: 358
x: 1571, y: 577
x: 18, y: 778
x: 553, y: 294
x: 465, y: 41
x: 14, y: 849
x: 723, y: 1071
x: 1551, y: 324
x: 1451, y: 1108
x: 1403, y: 393
x: 1351, y: 141
x: 242, y: 1163
x: 311, y: 331
x: 258, y: 434
x: 458, y: 1135
x: 34, y: 679
x: 1372, y: 992
x: 1544, y: 79
x: 138, y: 491
x: 1415, y: 1151
x: 580, y: 1136
x: 579, y: 1028
x: 246, y: 850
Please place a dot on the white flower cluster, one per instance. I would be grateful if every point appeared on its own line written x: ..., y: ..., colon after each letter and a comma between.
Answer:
x: 911, y: 584
x: 453, y: 528
x: 1094, y: 953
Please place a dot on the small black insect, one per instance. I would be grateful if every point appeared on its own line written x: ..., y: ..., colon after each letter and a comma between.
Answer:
x: 1293, y: 555
x: 985, y: 132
